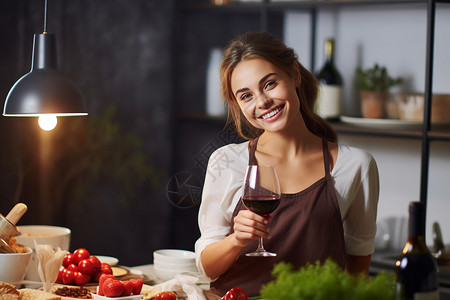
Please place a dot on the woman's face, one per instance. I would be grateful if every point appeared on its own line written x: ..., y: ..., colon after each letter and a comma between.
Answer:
x: 266, y: 94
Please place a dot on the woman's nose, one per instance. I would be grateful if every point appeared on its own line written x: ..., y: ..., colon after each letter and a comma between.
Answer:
x: 263, y: 101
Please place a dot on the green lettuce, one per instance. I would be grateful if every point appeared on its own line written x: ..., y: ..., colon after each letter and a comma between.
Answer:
x: 326, y: 281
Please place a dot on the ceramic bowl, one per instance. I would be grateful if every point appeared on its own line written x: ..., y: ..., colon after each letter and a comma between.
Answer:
x: 43, y: 235
x: 167, y: 274
x: 13, y: 266
x: 188, y: 267
x: 174, y: 256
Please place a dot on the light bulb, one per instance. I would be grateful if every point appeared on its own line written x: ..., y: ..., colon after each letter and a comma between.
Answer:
x: 47, y: 122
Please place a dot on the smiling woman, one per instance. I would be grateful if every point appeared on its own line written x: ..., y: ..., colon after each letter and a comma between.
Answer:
x: 329, y: 190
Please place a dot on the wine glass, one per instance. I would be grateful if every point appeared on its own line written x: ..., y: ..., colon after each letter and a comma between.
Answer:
x: 261, y: 194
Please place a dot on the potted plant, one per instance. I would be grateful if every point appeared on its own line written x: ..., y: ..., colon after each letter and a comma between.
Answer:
x: 374, y: 84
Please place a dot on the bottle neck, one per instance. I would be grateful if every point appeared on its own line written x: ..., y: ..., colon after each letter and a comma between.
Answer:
x: 416, y: 220
x: 329, y: 51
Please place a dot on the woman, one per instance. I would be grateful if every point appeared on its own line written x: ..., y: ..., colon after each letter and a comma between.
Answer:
x: 329, y: 190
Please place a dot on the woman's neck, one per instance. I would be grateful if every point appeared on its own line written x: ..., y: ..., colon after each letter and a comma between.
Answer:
x: 297, y: 140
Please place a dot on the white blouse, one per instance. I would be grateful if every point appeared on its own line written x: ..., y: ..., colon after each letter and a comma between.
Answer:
x: 356, y: 182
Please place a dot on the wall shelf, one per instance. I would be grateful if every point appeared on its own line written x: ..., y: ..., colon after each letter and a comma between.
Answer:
x: 272, y: 11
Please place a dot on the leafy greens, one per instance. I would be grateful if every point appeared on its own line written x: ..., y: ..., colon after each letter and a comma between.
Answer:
x: 326, y: 281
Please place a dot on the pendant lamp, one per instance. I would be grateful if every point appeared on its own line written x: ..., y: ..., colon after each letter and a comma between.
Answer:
x: 44, y: 91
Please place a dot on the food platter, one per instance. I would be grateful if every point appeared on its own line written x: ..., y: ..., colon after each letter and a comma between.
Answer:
x: 112, y: 261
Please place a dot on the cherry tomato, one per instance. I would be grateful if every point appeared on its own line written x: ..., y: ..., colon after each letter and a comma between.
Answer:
x: 166, y: 296
x: 96, y: 263
x: 73, y: 267
x: 81, y: 254
x: 80, y: 278
x: 85, y: 266
x: 68, y: 276
x: 106, y: 269
x: 96, y: 276
x: 68, y: 259
x: 235, y: 294
x: 59, y: 279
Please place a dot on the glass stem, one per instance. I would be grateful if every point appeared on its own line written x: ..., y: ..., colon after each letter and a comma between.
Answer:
x: 260, y: 245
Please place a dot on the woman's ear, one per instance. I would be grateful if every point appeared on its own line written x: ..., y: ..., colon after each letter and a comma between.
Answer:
x: 297, y: 75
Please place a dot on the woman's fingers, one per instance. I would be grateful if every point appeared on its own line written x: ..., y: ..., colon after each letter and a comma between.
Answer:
x: 249, y: 226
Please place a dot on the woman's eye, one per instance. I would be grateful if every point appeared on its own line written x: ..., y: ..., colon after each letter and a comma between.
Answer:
x: 270, y: 84
x: 246, y: 97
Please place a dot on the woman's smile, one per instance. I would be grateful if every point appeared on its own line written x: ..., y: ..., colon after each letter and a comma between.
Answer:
x: 272, y: 114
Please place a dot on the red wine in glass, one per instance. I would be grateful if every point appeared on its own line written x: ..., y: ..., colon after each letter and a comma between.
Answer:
x: 261, y: 194
x: 262, y: 205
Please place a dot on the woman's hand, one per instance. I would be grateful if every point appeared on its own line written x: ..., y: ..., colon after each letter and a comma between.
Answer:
x: 219, y: 256
x: 249, y: 226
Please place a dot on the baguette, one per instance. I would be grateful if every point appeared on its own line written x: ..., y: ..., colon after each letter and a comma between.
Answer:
x: 30, y: 294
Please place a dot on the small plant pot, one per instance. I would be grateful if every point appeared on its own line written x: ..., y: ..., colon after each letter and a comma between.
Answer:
x: 373, y: 104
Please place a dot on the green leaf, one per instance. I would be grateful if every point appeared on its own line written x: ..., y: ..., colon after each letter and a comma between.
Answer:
x: 326, y: 281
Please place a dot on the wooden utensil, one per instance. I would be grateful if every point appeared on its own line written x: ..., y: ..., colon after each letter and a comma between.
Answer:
x: 16, y: 213
x: 8, y: 226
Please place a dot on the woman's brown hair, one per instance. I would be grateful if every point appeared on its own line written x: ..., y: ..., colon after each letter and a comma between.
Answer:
x: 264, y: 46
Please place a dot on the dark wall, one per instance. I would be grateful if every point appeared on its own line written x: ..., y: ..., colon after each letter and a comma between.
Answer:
x: 103, y: 176
x: 139, y: 63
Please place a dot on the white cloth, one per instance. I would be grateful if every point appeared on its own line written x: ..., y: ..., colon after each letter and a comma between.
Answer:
x: 356, y: 182
x: 186, y: 286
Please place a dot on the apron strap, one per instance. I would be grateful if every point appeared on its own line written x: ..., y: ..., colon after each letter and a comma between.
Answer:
x: 253, y: 144
x: 326, y: 157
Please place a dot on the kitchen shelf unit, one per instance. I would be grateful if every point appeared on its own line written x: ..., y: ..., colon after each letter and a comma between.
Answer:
x: 265, y: 10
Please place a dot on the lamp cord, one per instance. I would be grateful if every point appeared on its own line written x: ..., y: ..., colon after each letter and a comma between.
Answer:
x: 45, y: 17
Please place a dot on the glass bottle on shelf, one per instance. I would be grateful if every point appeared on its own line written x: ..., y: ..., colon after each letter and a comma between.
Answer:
x: 214, y: 102
x: 329, y: 100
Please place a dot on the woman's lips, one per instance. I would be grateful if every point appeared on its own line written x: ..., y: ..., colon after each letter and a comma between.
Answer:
x: 273, y: 114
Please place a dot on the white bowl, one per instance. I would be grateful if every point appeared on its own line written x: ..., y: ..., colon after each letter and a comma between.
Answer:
x: 13, y: 266
x: 167, y: 274
x: 176, y: 268
x: 174, y: 256
x: 44, y: 235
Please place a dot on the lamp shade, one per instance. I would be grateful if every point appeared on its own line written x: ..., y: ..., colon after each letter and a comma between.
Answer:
x: 44, y: 90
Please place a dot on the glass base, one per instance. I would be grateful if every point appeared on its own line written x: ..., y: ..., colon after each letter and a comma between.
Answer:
x: 261, y: 253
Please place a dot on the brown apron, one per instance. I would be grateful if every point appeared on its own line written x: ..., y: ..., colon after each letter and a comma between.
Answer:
x: 306, y: 227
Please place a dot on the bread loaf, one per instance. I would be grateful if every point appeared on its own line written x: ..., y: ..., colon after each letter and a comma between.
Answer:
x: 8, y: 291
x: 30, y: 294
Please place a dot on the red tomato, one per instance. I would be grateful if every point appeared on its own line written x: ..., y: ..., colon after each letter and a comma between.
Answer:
x: 85, y: 266
x: 80, y: 278
x: 96, y: 276
x: 106, y: 269
x: 166, y: 296
x: 68, y: 259
x: 128, y: 288
x: 81, y: 254
x: 73, y: 267
x: 96, y: 263
x: 68, y: 276
x: 101, y: 282
x: 113, y: 287
x: 59, y: 279
x: 137, y: 285
x: 235, y: 294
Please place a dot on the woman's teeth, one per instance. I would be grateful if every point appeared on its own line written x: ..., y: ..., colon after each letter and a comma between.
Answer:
x: 272, y: 113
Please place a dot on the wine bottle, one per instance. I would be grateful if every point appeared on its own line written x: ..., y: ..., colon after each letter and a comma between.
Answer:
x: 416, y: 270
x: 329, y: 100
